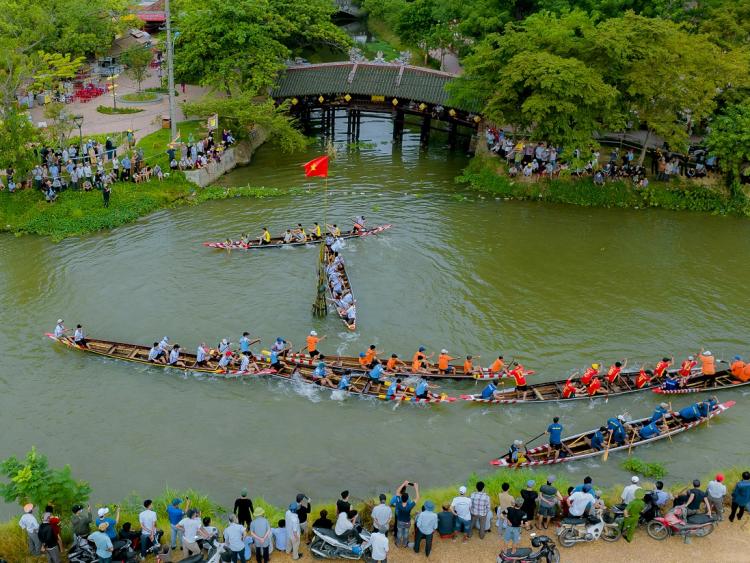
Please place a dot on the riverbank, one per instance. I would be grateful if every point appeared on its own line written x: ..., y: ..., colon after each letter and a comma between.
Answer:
x: 487, y: 174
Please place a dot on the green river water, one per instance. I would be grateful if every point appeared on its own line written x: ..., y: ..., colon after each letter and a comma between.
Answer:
x: 553, y: 286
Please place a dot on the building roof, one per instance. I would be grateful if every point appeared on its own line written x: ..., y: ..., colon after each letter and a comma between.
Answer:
x: 366, y: 79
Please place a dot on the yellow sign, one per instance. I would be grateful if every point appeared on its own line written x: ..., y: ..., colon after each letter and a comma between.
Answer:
x: 321, y: 99
x: 295, y: 101
x: 348, y: 98
x: 452, y: 112
x: 377, y: 98
x: 394, y: 102
x: 422, y: 106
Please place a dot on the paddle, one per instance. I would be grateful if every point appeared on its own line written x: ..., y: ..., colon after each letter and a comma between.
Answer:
x: 630, y: 446
x: 605, y: 457
x: 527, y: 442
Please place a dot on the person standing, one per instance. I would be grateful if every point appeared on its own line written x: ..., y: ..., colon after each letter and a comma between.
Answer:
x: 480, y: 507
x: 529, y: 496
x: 147, y: 519
x: 555, y: 437
x: 461, y: 508
x: 243, y: 508
x: 715, y: 493
x: 740, y: 497
x: 343, y: 504
x: 111, y: 524
x: 628, y: 493
x: 403, y: 507
x: 104, y: 547
x: 381, y: 516
x: 175, y: 514
x: 81, y: 521
x: 514, y: 520
x: 51, y: 543
x: 303, y: 510
x: 260, y: 531
x: 380, y: 547
x: 234, y: 536
x: 293, y: 531
x: 106, y: 193
x: 549, y: 497
x: 425, y: 526
x: 30, y: 525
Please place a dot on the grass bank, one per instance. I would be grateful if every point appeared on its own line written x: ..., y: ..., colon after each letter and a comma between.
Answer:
x: 487, y: 174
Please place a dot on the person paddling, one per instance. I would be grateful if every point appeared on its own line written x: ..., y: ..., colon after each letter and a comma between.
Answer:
x: 312, y: 344
x: 661, y: 367
x: 79, y: 338
x: 614, y: 371
x: 265, y: 238
x: 497, y: 366
x: 519, y: 374
x: 419, y: 363
x: 60, y: 329
x: 444, y: 360
x: 394, y: 362
x: 590, y: 373
x: 644, y: 378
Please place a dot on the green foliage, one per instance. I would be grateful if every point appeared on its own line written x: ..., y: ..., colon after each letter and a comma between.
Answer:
x: 112, y: 111
x: 140, y: 97
x: 653, y: 470
x: 17, y: 133
x: 32, y: 480
x: 137, y: 61
x: 53, y: 68
x: 729, y: 140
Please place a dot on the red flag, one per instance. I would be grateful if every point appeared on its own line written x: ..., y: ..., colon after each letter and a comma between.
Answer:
x: 317, y: 167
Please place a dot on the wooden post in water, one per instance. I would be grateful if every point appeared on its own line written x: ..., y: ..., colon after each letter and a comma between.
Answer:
x: 320, y: 305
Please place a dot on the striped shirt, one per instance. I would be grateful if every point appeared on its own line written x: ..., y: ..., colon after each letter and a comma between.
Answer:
x: 480, y: 503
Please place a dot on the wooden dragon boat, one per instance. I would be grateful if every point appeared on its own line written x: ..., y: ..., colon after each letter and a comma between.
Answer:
x: 553, y: 390
x: 580, y: 447
x: 327, y: 259
x: 278, y: 242
x: 698, y: 384
x: 359, y: 384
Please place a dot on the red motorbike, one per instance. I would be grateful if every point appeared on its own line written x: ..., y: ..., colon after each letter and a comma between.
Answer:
x: 676, y: 523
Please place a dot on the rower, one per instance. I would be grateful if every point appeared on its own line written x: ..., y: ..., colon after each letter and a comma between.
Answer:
x: 555, y: 438
x: 649, y: 430
x: 312, y: 344
x: 597, y: 439
x: 60, y: 329
x: 79, y: 338
x: 737, y: 367
x: 201, y: 356
x: 660, y: 412
x: 164, y: 343
x: 363, y: 363
x: 320, y: 375
x: 224, y: 345
x: 334, y: 230
x: 299, y: 233
x: 359, y: 225
x: 422, y: 390
x: 280, y: 346
x: 661, y: 367
x: 376, y: 372
x: 174, y: 357
x: 351, y: 314
x: 246, y: 363
x: 708, y: 363
x: 745, y: 375
x: 316, y: 232
x: 514, y: 453
x: 419, y: 361
x: 288, y: 237
x: 244, y: 239
x: 371, y: 356
x: 276, y: 362
x: 644, y: 378
x: 488, y: 392
x: 344, y: 382
x: 497, y: 366
x: 392, y: 389
x: 615, y: 426
x: 444, y: 366
x: 265, y: 238
x: 671, y: 383
x: 594, y: 387
x: 245, y: 344
x: 520, y: 376
x: 613, y: 373
x: 225, y: 361
x: 157, y: 355
x: 686, y: 368
x: 590, y: 374
x: 393, y: 362
x: 570, y: 389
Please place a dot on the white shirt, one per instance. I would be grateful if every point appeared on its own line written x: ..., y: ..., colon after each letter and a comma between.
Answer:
x: 716, y: 489
x: 462, y: 506
x: 153, y: 352
x: 380, y: 546
x: 78, y: 334
x: 244, y: 363
x: 292, y: 523
x: 29, y: 523
x: 628, y: 493
x: 343, y: 524
x: 578, y: 502
x: 164, y: 343
x: 147, y: 518
x: 224, y: 361
x: 191, y: 527
x: 59, y: 330
x: 174, y: 356
x: 200, y: 354
x: 233, y: 535
x: 381, y: 515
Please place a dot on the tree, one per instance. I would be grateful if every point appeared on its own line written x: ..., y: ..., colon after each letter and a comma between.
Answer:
x: 17, y: 134
x: 32, y: 480
x: 137, y: 61
x: 53, y: 68
x: 729, y: 141
x: 59, y: 123
x: 248, y: 113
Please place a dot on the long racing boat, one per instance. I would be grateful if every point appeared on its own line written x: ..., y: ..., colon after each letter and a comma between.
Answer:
x: 360, y: 384
x: 328, y: 257
x: 722, y: 380
x: 578, y: 446
x: 278, y: 242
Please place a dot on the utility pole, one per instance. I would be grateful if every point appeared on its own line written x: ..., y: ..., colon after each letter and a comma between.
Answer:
x: 170, y: 72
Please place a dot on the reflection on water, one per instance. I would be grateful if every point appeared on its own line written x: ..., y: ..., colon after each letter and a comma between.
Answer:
x: 554, y: 286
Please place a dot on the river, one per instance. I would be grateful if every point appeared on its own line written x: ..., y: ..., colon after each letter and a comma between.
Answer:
x: 553, y: 286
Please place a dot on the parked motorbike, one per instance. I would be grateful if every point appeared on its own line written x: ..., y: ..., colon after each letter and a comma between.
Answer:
x: 327, y: 545
x: 547, y: 551
x: 212, y: 552
x: 575, y: 530
x: 676, y: 523
x: 84, y: 551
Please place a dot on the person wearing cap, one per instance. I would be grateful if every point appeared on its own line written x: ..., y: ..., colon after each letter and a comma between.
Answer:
x: 51, y: 542
x: 736, y: 368
x: 243, y: 508
x: 102, y: 516
x: 81, y: 521
x: 461, y: 508
x: 617, y: 430
x: 294, y: 532
x: 529, y: 496
x: 444, y: 362
x: 260, y: 532
x: 381, y: 516
x: 312, y: 344
x: 234, y: 539
x: 514, y: 452
x: 103, y: 543
x: 480, y: 508
x: 660, y: 412
x: 280, y: 346
x: 419, y: 363
x: 30, y: 525
x: 549, y: 498
x: 708, y: 363
x: 590, y: 373
x: 715, y: 493
x: 514, y: 519
x: 174, y: 515
x: 226, y: 361
x: 425, y: 526
x: 60, y: 329
x: 628, y: 492
x: 224, y: 345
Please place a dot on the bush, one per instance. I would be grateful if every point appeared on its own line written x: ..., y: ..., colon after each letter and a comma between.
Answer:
x: 140, y: 97
x: 651, y: 470
x: 112, y: 111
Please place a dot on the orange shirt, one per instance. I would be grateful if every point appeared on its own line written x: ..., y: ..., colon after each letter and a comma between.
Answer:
x: 497, y: 366
x: 594, y: 386
x: 661, y: 367
x: 745, y: 376
x: 443, y: 360
x: 391, y: 364
x: 363, y: 362
x: 737, y: 368
x: 468, y: 366
x: 416, y: 364
x: 642, y: 379
x: 613, y: 373
x: 370, y: 355
x: 707, y: 365
x: 312, y: 343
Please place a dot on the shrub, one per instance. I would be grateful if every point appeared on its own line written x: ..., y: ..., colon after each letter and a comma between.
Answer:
x: 112, y: 111
x: 651, y: 470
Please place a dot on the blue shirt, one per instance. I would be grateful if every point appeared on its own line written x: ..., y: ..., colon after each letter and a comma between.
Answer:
x: 741, y: 493
x: 377, y: 371
x: 403, y: 513
x: 274, y: 357
x: 616, y: 425
x: 111, y: 531
x: 488, y: 392
x: 175, y: 514
x: 690, y: 413
x: 244, y: 344
x: 421, y: 389
x: 658, y: 414
x: 279, y: 538
x: 391, y: 390
x: 649, y: 431
x: 103, y: 542
x: 319, y: 371
x: 597, y: 440
x: 555, y: 433
x: 671, y: 383
x: 344, y: 382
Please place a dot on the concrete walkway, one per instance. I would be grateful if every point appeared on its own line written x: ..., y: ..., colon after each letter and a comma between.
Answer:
x: 142, y: 123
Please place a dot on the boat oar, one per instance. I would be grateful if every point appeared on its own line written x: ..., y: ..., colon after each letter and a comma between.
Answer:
x: 527, y: 442
x: 605, y: 457
x: 630, y: 447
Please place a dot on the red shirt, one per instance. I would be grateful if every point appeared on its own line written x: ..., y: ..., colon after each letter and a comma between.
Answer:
x: 660, y: 368
x: 642, y: 379
x: 687, y: 367
x: 588, y: 375
x: 613, y: 373
x: 594, y: 386
x: 569, y: 390
x: 518, y: 375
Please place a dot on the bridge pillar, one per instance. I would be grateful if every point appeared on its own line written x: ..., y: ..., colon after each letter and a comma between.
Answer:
x: 453, y: 135
x: 398, y: 125
x: 424, y: 134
